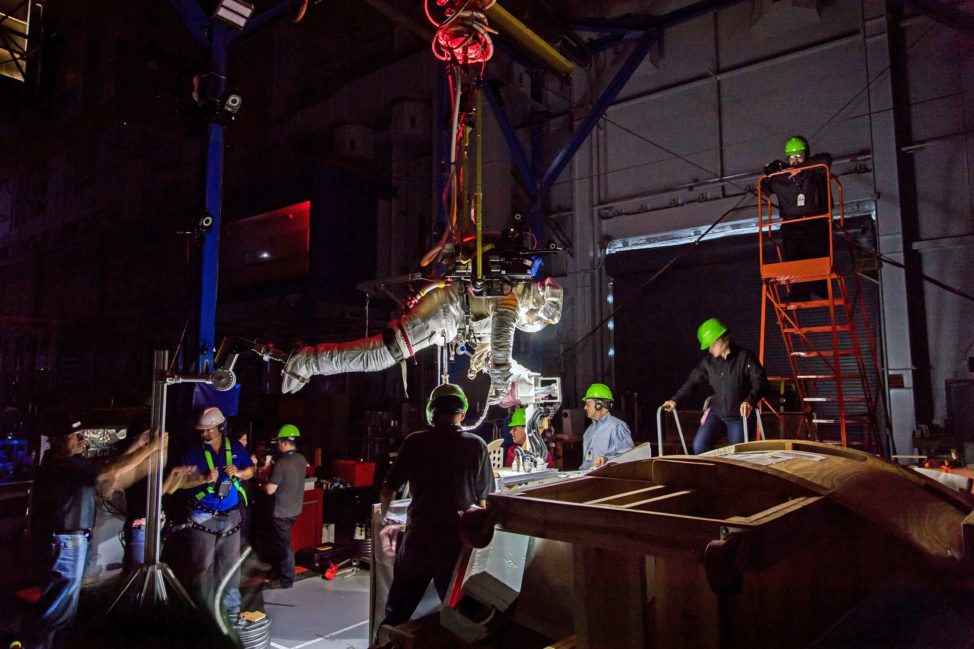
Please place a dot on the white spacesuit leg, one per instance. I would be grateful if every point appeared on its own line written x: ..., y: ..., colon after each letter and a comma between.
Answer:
x: 432, y: 321
x: 364, y: 355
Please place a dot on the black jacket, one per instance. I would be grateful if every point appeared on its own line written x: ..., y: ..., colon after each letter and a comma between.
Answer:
x: 735, y: 379
x: 813, y: 184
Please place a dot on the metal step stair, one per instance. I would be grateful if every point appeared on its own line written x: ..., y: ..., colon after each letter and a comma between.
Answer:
x: 823, y: 343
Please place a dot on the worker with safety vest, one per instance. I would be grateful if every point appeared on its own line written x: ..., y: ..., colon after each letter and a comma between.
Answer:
x: 210, y: 541
x: 607, y: 436
x: 738, y: 382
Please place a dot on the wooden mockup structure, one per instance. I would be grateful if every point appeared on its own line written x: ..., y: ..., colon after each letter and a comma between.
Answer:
x: 768, y: 544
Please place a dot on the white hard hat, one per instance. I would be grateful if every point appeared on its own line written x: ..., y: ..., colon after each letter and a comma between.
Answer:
x: 210, y: 418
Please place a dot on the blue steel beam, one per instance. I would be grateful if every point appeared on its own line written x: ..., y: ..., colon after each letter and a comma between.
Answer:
x: 943, y: 13
x: 621, y: 78
x: 653, y: 26
x: 689, y: 12
x: 196, y: 21
x: 605, y: 25
x: 644, y: 23
x: 536, y: 213
x: 528, y: 179
x: 214, y: 204
x: 259, y: 20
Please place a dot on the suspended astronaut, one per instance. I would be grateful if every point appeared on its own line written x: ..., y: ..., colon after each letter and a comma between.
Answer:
x: 448, y: 313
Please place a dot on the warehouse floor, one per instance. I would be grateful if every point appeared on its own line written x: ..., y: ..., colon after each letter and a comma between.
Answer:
x: 315, y: 613
x: 320, y: 614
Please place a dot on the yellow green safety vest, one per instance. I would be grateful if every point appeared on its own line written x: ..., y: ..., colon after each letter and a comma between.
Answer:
x: 209, y: 463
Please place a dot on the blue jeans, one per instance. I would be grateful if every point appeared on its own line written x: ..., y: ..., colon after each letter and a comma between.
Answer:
x: 711, y: 430
x: 47, y: 623
x: 209, y: 558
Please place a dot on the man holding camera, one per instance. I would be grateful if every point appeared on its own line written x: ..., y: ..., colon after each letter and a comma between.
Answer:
x: 211, y: 537
x: 63, y: 516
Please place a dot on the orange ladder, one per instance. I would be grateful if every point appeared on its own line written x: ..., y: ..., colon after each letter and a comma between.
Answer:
x: 838, y: 391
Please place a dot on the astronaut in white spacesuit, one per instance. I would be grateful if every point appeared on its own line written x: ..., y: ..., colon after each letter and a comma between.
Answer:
x: 447, y: 313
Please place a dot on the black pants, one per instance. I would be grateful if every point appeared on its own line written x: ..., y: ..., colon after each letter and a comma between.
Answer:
x: 806, y: 240
x: 283, y: 554
x: 205, y: 559
x: 419, y: 560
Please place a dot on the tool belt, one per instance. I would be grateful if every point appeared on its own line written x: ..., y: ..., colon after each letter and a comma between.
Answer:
x: 203, y: 528
x: 196, y: 507
x: 219, y: 535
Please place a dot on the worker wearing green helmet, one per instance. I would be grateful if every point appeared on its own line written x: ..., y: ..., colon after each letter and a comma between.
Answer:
x: 286, y: 486
x: 517, y: 427
x: 801, y: 190
x: 448, y: 471
x: 736, y: 378
x: 607, y: 436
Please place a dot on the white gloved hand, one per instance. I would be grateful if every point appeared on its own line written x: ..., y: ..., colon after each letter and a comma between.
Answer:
x: 500, y: 380
x: 296, y: 372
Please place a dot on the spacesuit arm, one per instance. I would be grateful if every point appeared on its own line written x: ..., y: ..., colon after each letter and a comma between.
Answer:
x: 501, y: 344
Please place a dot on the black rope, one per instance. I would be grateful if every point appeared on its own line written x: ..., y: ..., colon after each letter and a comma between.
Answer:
x: 646, y: 284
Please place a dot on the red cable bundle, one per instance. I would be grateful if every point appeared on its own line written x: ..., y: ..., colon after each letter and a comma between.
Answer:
x: 464, y: 34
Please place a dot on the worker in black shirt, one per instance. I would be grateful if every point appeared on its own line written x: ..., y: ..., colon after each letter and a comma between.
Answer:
x: 801, y: 192
x: 738, y: 382
x: 448, y: 471
x: 63, y: 515
x: 286, y: 485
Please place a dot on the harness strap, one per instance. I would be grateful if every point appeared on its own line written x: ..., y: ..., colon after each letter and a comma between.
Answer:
x: 209, y: 463
x: 203, y: 528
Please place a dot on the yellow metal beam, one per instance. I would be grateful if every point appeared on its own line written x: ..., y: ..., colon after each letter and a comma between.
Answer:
x: 505, y: 23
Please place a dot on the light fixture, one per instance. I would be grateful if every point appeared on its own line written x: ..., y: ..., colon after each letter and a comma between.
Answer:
x: 233, y: 12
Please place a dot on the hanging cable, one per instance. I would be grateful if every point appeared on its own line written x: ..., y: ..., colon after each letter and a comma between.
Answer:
x: 642, y: 287
x: 463, y: 35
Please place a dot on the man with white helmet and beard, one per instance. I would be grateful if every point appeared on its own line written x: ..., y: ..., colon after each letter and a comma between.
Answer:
x: 211, y: 539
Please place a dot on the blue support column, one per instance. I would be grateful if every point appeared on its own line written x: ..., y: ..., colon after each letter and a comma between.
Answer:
x: 213, y: 201
x: 621, y: 78
x: 196, y: 21
x: 443, y: 112
x: 528, y: 179
x: 536, y: 213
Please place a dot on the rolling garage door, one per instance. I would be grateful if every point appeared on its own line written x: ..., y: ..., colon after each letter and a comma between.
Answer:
x: 655, y: 330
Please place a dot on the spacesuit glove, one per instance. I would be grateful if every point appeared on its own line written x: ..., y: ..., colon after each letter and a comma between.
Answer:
x: 297, y: 371
x: 500, y: 383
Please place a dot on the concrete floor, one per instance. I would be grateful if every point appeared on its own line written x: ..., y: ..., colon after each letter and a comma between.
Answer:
x: 315, y: 613
x: 320, y: 614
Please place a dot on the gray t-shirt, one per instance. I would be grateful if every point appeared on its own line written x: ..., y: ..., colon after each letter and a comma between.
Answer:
x: 288, y: 474
x: 448, y: 470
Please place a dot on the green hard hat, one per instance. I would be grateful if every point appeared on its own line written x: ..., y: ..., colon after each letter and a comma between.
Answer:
x: 598, y: 391
x: 709, y: 331
x: 441, y: 392
x: 288, y: 431
x: 518, y: 418
x: 796, y: 145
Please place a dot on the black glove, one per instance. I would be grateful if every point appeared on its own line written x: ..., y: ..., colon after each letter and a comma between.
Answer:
x: 774, y: 167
